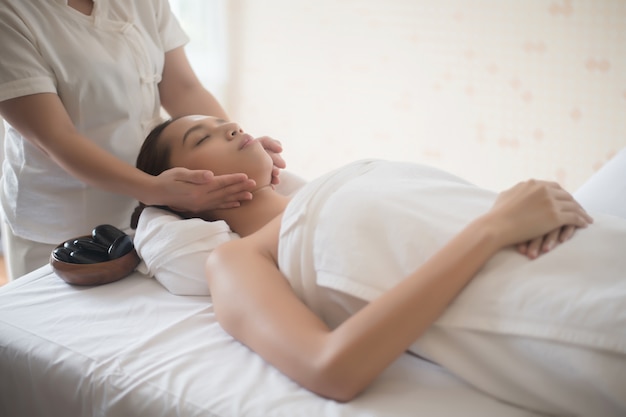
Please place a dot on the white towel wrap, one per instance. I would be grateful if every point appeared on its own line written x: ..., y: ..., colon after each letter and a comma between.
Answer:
x: 547, y: 334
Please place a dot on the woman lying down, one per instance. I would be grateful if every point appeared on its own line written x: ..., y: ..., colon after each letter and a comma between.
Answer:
x: 379, y: 258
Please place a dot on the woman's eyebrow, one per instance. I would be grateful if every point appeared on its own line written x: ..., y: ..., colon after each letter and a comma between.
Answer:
x: 191, y: 130
x: 200, y: 126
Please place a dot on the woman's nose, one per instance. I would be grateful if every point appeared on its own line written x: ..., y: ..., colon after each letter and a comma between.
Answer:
x: 232, y: 130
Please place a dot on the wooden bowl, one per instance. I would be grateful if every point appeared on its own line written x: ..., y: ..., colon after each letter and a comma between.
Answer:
x: 97, y: 273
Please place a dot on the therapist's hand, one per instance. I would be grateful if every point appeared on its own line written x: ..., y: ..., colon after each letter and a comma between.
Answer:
x: 274, y: 148
x: 194, y: 191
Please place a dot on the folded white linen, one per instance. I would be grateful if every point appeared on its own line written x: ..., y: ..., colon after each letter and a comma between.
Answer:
x: 547, y: 334
x: 174, y: 251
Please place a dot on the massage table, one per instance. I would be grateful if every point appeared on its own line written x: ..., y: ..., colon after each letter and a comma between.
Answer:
x: 135, y: 348
x: 131, y: 348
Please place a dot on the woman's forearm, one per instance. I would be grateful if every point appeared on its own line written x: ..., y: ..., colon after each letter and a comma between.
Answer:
x: 367, y: 342
x: 358, y: 350
x: 254, y: 302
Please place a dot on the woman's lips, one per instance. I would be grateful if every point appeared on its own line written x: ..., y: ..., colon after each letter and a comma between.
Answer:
x: 246, y: 140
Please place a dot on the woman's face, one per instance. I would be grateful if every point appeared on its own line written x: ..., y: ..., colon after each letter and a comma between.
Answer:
x: 206, y: 142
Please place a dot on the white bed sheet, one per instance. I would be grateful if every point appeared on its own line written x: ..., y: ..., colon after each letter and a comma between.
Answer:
x: 131, y: 348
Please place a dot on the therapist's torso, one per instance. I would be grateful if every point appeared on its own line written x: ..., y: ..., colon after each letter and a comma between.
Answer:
x: 105, y: 68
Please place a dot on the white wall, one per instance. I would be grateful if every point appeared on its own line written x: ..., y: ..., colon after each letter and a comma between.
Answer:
x: 493, y: 90
x: 205, y: 22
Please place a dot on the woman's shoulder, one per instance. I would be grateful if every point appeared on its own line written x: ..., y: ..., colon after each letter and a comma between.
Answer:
x: 264, y: 241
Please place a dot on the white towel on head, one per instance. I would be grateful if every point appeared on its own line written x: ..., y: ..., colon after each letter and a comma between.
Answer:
x: 174, y: 250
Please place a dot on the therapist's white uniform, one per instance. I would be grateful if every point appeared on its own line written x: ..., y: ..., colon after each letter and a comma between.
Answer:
x: 105, y: 68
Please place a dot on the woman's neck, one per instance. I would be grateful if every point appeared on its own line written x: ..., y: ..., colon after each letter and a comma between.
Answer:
x: 83, y: 6
x: 253, y: 214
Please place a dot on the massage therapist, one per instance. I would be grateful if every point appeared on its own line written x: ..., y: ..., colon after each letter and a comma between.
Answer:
x: 81, y: 83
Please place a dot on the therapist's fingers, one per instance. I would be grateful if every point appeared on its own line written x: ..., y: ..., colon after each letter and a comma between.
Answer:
x: 203, y: 177
x: 219, y: 182
x: 273, y: 148
x: 275, y: 175
x: 195, y: 191
x: 229, y: 195
x: 271, y: 145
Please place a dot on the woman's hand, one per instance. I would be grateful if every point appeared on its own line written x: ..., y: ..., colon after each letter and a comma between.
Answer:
x: 536, y: 214
x: 274, y: 148
x: 185, y: 190
x: 546, y: 243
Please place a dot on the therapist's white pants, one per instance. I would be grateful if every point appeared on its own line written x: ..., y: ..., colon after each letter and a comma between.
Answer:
x: 22, y: 256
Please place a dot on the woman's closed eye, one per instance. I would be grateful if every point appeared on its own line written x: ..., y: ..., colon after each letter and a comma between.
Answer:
x: 202, y: 139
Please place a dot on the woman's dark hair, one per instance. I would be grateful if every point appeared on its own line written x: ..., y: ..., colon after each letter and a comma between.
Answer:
x: 153, y: 159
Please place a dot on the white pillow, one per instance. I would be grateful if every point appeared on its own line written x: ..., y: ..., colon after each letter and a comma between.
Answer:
x: 174, y: 250
x: 605, y: 191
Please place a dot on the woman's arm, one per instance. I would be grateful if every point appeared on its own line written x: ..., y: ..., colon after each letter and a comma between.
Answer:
x: 42, y: 119
x: 254, y: 302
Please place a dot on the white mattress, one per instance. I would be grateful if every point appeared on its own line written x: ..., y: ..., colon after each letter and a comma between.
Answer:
x: 132, y: 348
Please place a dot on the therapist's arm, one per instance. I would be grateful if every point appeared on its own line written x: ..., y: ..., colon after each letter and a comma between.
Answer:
x: 43, y: 121
x: 181, y: 91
